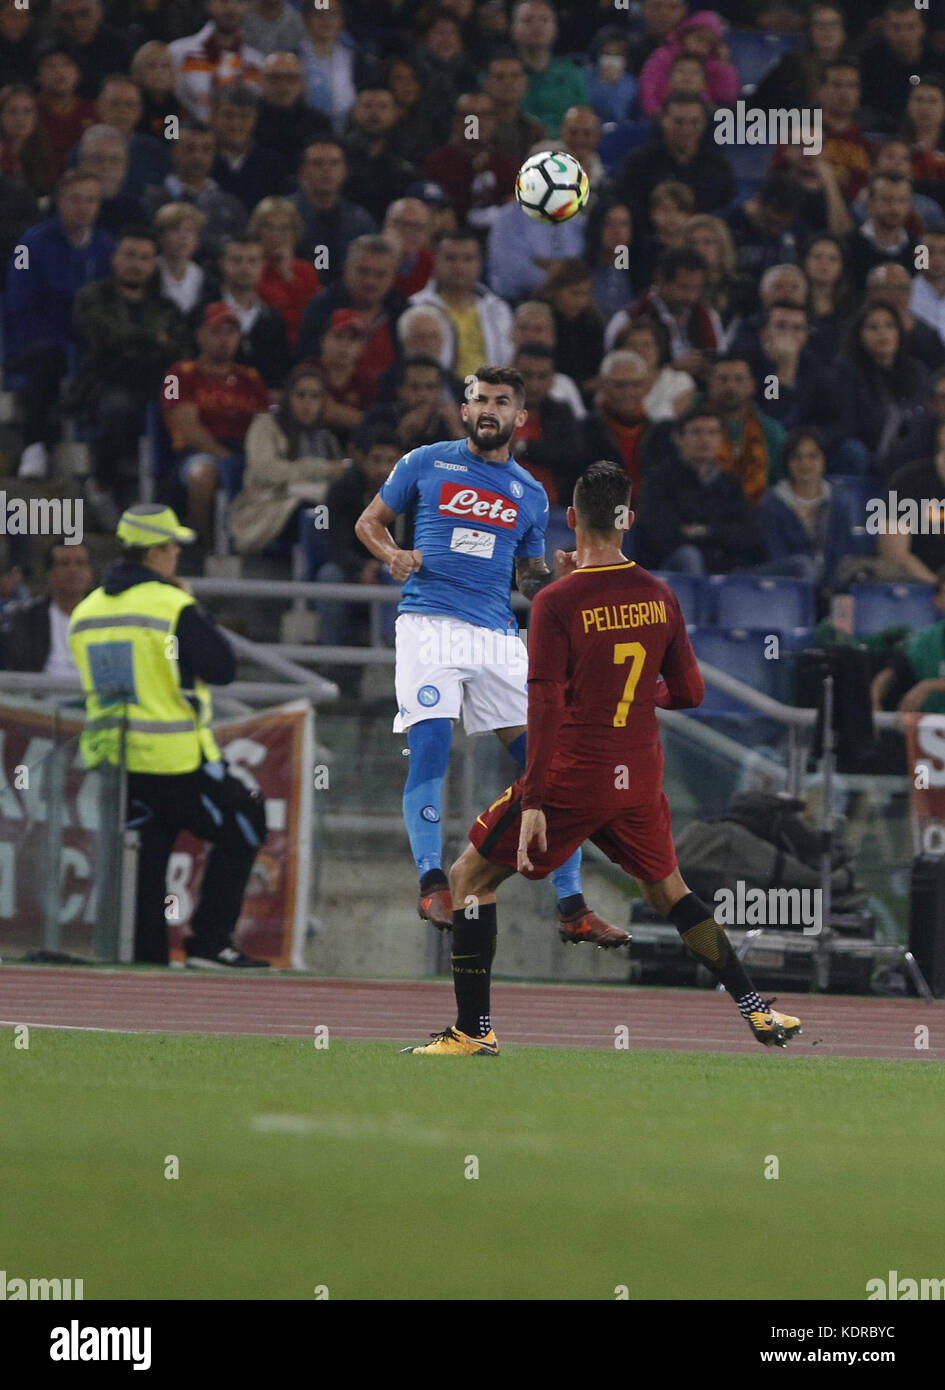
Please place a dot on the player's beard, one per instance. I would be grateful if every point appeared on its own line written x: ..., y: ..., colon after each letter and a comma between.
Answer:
x: 496, y: 439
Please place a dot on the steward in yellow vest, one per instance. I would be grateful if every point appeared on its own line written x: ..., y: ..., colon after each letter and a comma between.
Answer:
x: 145, y: 652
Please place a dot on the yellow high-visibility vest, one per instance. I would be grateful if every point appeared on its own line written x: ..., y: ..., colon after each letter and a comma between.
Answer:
x: 125, y: 647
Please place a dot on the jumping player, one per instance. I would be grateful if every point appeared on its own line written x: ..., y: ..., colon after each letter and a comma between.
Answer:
x: 599, y: 640
x: 478, y: 514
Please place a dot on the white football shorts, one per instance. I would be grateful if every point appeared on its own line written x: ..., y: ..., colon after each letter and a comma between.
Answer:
x: 445, y: 667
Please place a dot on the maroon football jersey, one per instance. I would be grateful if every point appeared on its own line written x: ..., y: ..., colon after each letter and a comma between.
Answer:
x: 607, y: 633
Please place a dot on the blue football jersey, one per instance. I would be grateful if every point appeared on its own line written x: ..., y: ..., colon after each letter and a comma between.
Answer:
x: 472, y: 520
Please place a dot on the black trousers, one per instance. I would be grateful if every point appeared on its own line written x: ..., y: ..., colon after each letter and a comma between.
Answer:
x: 215, y: 806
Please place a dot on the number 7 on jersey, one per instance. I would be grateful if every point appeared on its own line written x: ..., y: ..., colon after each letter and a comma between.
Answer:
x: 636, y: 653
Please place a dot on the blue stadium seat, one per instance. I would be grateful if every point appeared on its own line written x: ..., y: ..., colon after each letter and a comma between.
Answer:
x: 618, y: 139
x: 749, y: 164
x: 741, y: 654
x: 856, y: 492
x: 755, y: 53
x: 759, y: 601
x: 690, y: 590
x: 315, y: 544
x: 892, y: 605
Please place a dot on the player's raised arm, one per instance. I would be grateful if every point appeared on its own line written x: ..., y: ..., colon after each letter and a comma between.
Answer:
x: 372, y: 530
x: 532, y: 574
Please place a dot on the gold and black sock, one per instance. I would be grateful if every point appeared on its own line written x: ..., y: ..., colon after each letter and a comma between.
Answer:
x: 473, y: 948
x: 707, y: 943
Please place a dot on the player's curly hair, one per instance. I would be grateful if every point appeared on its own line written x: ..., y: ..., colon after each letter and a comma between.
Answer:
x: 601, y: 496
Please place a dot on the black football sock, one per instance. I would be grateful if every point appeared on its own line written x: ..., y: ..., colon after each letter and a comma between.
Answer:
x: 574, y: 903
x: 708, y: 944
x: 433, y: 878
x: 471, y: 958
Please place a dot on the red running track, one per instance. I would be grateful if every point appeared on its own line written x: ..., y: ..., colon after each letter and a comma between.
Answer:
x: 405, y: 1012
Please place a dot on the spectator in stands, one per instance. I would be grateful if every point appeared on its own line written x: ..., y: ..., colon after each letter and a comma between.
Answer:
x: 178, y: 227
x: 730, y: 293
x: 419, y: 414
x: 787, y: 359
x: 547, y: 445
x: 152, y: 71
x: 661, y: 18
x: 765, y: 227
x: 481, y: 322
x: 831, y: 294
x: 579, y: 331
x: 883, y: 237
x: 242, y: 167
x: 785, y: 284
x: 17, y: 41
x: 274, y: 26
x: 611, y: 88
x: 103, y: 152
x: 823, y: 204
x: 18, y: 210
x: 414, y: 120
x: 880, y: 392
x: 803, y: 515
x: 608, y: 251
x: 330, y: 61
x: 924, y: 128
x: 263, y: 343
x: 367, y: 286
x: 521, y: 251
x: 701, y: 35
x: 350, y: 390
x: 794, y: 80
x: 752, y: 441
x: 13, y: 588
x: 845, y: 146
x: 63, y: 114
x: 889, y: 64
x: 927, y: 293
x: 291, y: 459
x: 285, y: 122
x: 687, y: 76
x: 378, y: 171
x: 34, y: 632
x: 617, y: 425
x: 161, y: 20
x: 916, y: 554
x: 192, y: 156
x: 24, y: 154
x: 287, y: 282
x: 119, y: 106
x: 892, y: 284
x: 214, y: 57
x: 375, y: 452
x: 473, y: 172
x: 128, y: 336
x: 209, y: 403
x: 444, y: 67
x: 580, y: 135
x: 667, y: 392
x: 423, y: 330
x: 893, y: 157
x: 670, y: 207
x: 409, y: 226
x: 96, y: 48
x: 675, y: 300
x: 63, y: 253
x: 533, y: 322
x: 554, y: 84
x: 330, y: 222
x: 694, y: 517
x: 913, y: 681
x: 682, y: 152
x: 506, y: 82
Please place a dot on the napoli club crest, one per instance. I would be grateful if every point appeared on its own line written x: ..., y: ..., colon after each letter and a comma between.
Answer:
x: 428, y: 695
x: 430, y: 813
x: 517, y: 490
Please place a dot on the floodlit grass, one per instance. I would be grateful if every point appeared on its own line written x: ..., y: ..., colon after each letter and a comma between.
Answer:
x: 346, y: 1167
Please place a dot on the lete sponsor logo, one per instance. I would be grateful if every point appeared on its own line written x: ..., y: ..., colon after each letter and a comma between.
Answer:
x: 456, y: 500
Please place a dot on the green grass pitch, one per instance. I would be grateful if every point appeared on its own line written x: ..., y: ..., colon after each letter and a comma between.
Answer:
x: 346, y: 1169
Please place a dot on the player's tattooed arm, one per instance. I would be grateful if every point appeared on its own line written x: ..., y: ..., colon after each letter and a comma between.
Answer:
x: 532, y: 574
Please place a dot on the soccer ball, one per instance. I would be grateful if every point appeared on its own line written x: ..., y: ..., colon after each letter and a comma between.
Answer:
x: 551, y: 186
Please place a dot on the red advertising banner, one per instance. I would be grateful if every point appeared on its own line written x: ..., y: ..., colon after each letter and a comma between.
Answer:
x: 925, y: 748
x: 271, y: 750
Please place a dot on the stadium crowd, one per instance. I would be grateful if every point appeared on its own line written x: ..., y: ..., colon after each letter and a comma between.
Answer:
x: 274, y: 238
